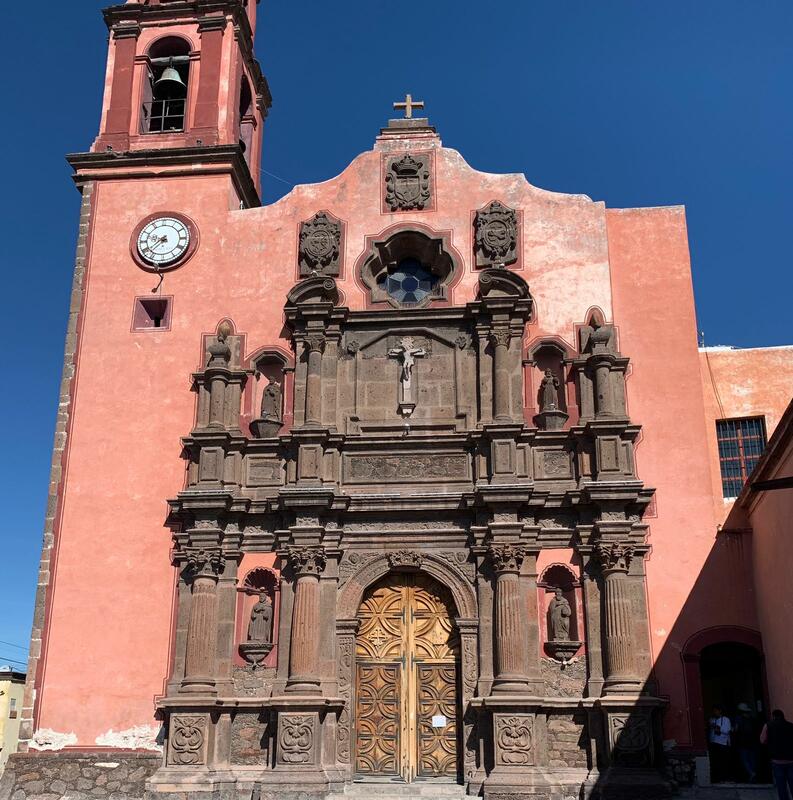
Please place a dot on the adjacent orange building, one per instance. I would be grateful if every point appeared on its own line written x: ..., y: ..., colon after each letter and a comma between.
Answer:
x: 414, y: 386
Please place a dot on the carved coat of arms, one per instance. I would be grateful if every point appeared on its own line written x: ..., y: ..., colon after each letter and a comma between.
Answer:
x: 407, y: 183
x: 496, y: 235
x: 320, y: 238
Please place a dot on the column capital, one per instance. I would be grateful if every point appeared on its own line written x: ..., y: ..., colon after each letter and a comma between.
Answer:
x: 315, y: 342
x: 613, y: 557
x: 507, y: 557
x: 204, y: 563
x: 306, y: 560
x: 127, y: 29
x: 500, y: 337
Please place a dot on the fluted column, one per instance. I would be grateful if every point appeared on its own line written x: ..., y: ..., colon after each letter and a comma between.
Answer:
x: 307, y: 565
x: 511, y: 630
x: 620, y: 663
x: 204, y: 567
x: 499, y: 338
x: 315, y: 344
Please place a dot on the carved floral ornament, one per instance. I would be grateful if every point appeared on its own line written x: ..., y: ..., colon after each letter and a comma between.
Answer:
x: 306, y: 560
x: 202, y: 563
x: 500, y: 337
x: 405, y: 559
x: 187, y: 740
x: 314, y: 342
x: 496, y: 235
x: 507, y: 558
x: 320, y: 238
x: 614, y: 556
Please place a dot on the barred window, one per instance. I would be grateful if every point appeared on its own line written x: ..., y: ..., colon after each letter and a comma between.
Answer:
x: 741, y: 442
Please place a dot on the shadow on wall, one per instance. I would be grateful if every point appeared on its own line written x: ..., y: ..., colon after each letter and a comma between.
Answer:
x: 712, y: 656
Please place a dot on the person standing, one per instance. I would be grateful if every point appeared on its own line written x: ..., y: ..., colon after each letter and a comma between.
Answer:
x: 744, y: 737
x: 778, y: 736
x: 719, y: 745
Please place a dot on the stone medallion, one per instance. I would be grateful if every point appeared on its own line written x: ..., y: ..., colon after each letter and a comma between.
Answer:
x: 319, y: 251
x: 496, y: 240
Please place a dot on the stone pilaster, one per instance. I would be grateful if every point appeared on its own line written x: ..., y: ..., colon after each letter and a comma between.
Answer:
x: 511, y: 634
x: 203, y: 566
x: 307, y: 564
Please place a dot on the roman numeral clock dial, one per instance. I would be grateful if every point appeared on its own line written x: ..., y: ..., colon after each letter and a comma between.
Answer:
x: 163, y: 241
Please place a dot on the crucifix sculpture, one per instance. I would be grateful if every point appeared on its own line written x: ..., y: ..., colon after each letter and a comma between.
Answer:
x: 408, y: 105
x: 407, y: 354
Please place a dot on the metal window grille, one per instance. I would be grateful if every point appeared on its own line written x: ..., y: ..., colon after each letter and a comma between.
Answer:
x: 163, y: 116
x: 741, y: 442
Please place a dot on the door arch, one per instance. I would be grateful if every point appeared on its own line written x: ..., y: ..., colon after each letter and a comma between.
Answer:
x: 407, y: 681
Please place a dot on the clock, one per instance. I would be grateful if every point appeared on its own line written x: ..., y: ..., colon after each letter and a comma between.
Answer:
x: 163, y: 241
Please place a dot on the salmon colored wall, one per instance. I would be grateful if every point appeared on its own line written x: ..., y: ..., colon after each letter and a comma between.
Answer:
x: 133, y: 399
x: 755, y: 382
x: 773, y: 566
x: 654, y: 311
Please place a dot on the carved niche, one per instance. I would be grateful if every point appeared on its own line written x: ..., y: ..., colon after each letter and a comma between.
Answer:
x: 320, y: 243
x: 496, y: 235
x: 408, y: 182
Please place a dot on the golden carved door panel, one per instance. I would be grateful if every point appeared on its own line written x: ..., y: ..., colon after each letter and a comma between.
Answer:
x: 407, y: 659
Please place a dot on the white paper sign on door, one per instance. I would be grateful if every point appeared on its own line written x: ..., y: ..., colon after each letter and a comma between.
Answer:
x: 438, y: 721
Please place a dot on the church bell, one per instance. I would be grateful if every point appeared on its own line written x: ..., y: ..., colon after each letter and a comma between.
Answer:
x: 170, y: 81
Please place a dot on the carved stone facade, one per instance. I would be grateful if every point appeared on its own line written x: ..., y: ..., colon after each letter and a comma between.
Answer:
x: 456, y: 499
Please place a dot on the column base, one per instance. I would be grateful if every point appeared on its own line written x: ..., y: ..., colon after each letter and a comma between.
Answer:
x: 622, y: 685
x: 198, y: 685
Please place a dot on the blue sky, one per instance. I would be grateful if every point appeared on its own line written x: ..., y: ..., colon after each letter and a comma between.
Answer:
x: 634, y: 103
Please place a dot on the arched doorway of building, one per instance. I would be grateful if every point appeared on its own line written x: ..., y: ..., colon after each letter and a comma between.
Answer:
x: 731, y: 674
x: 407, y: 681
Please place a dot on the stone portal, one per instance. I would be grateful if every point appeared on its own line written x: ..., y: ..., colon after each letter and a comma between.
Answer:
x: 407, y: 656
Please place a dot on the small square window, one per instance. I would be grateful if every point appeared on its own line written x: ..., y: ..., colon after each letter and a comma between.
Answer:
x: 152, y: 313
x: 741, y: 442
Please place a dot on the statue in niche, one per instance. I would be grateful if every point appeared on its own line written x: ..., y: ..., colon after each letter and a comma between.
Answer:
x: 549, y: 389
x: 271, y: 401
x: 269, y: 422
x: 560, y: 612
x: 260, y: 627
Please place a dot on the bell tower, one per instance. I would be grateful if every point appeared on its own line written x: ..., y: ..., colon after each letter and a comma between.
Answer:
x: 182, y: 83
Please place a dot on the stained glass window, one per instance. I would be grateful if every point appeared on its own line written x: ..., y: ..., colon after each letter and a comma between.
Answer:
x: 410, y: 282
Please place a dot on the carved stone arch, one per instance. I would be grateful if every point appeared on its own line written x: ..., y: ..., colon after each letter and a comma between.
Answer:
x: 558, y: 574
x: 467, y: 621
x: 385, y: 252
x: 260, y: 579
x: 350, y: 596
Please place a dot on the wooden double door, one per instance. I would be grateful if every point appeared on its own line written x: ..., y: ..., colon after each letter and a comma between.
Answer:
x: 406, y: 681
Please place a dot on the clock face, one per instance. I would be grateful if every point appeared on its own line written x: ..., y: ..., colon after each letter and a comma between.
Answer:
x: 163, y: 241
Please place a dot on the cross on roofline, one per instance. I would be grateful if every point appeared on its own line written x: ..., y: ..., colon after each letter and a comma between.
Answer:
x: 408, y: 105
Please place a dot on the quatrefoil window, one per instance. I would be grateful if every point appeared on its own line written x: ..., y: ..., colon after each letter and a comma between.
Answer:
x: 410, y: 283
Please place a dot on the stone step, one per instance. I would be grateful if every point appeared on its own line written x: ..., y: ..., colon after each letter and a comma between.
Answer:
x: 376, y: 790
x: 730, y: 791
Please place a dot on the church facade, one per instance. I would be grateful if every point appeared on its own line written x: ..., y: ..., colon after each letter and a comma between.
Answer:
x: 417, y: 483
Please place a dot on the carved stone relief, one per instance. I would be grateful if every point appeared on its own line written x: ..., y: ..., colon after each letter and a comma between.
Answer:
x: 296, y: 739
x: 630, y: 736
x: 391, y: 469
x: 514, y: 739
x: 344, y: 674
x: 408, y: 183
x: 405, y: 558
x: 496, y: 236
x: 186, y: 740
x: 320, y: 239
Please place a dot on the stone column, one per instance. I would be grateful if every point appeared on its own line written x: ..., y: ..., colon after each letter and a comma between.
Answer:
x: 307, y: 564
x: 315, y: 344
x: 511, y: 631
x: 620, y: 660
x: 601, y: 365
x: 499, y: 338
x: 119, y: 112
x: 204, y: 567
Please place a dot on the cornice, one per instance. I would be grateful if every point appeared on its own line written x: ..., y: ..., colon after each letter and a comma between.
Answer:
x: 136, y: 164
